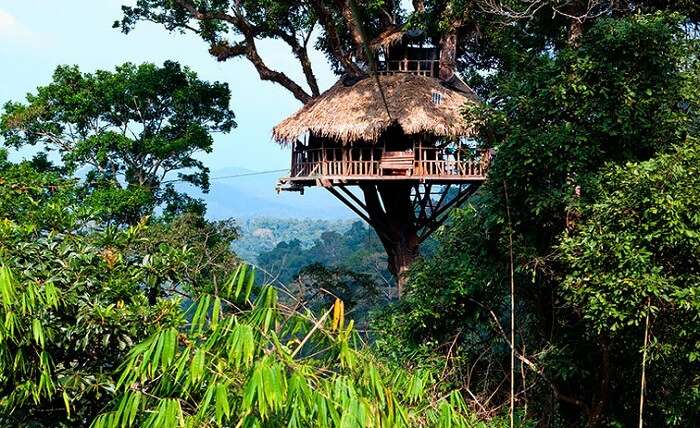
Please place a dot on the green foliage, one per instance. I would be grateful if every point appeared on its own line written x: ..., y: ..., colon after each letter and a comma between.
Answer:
x: 85, y: 340
x: 557, y: 114
x: 77, y: 294
x: 131, y: 128
x: 636, y: 252
x: 209, y: 258
x: 444, y: 322
x: 619, y: 96
x: 71, y: 306
x: 244, y: 360
x: 37, y: 200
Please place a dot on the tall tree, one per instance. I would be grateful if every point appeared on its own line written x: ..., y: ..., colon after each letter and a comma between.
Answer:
x: 635, y: 254
x: 556, y: 113
x: 133, y: 129
x: 233, y: 29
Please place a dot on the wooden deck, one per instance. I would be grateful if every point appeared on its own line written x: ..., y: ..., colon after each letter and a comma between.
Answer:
x: 330, y: 166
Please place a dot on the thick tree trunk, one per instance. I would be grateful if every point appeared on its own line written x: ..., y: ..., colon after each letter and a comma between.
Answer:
x: 402, y: 254
x: 393, y: 216
x: 448, y: 54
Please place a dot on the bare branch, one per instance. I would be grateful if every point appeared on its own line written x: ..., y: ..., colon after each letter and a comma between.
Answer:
x: 575, y: 10
x: 222, y: 50
x: 532, y: 365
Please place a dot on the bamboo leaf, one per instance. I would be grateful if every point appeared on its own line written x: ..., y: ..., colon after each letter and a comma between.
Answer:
x: 249, y: 286
x: 197, y: 365
x: 66, y: 402
x: 38, y: 332
x: 222, y: 405
x: 216, y: 310
x: 241, y: 279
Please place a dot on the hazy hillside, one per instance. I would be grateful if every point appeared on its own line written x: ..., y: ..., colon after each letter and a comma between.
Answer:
x: 259, y: 235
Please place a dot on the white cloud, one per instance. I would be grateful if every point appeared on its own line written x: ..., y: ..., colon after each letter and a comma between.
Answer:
x: 12, y: 31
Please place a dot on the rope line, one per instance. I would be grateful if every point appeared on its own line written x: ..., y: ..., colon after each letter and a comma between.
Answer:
x: 69, y: 182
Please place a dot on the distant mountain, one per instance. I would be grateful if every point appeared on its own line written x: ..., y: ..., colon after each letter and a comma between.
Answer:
x: 240, y: 194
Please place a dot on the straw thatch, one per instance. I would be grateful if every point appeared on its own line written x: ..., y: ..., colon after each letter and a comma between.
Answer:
x: 386, y: 39
x: 357, y: 113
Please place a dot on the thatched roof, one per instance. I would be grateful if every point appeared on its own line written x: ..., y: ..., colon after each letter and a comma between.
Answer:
x: 358, y: 113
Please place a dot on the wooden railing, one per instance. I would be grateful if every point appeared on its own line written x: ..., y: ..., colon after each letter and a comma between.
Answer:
x: 469, y: 168
x: 450, y: 168
x: 421, y: 67
x: 336, y: 169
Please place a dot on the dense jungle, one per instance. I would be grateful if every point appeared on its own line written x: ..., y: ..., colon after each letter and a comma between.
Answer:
x: 564, y: 292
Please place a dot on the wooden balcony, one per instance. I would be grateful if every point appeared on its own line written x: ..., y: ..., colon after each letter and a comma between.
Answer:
x: 354, y: 165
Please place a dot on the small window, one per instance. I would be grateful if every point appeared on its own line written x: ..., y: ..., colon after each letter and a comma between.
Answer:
x: 437, y: 98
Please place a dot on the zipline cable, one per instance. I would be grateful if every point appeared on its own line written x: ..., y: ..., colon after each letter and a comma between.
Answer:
x: 224, y: 177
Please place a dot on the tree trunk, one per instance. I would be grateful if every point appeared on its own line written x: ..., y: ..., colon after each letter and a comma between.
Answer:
x: 393, y: 216
x: 600, y: 400
x: 402, y: 252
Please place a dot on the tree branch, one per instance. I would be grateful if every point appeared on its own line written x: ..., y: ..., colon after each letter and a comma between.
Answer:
x: 301, y: 52
x: 355, y: 32
x: 266, y: 73
x: 534, y: 367
x: 326, y: 20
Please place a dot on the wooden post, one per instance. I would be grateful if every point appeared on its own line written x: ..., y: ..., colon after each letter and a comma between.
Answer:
x: 420, y: 169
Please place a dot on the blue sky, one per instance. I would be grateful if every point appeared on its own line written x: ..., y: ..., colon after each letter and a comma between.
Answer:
x: 38, y: 35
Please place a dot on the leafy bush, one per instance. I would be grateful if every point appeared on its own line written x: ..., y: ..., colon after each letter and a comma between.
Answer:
x: 138, y: 326
x: 74, y: 295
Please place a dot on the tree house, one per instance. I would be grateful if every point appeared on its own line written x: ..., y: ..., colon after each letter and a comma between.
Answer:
x: 399, y: 136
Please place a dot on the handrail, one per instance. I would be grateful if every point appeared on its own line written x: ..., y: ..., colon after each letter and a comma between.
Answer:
x: 366, y: 163
x: 422, y: 67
